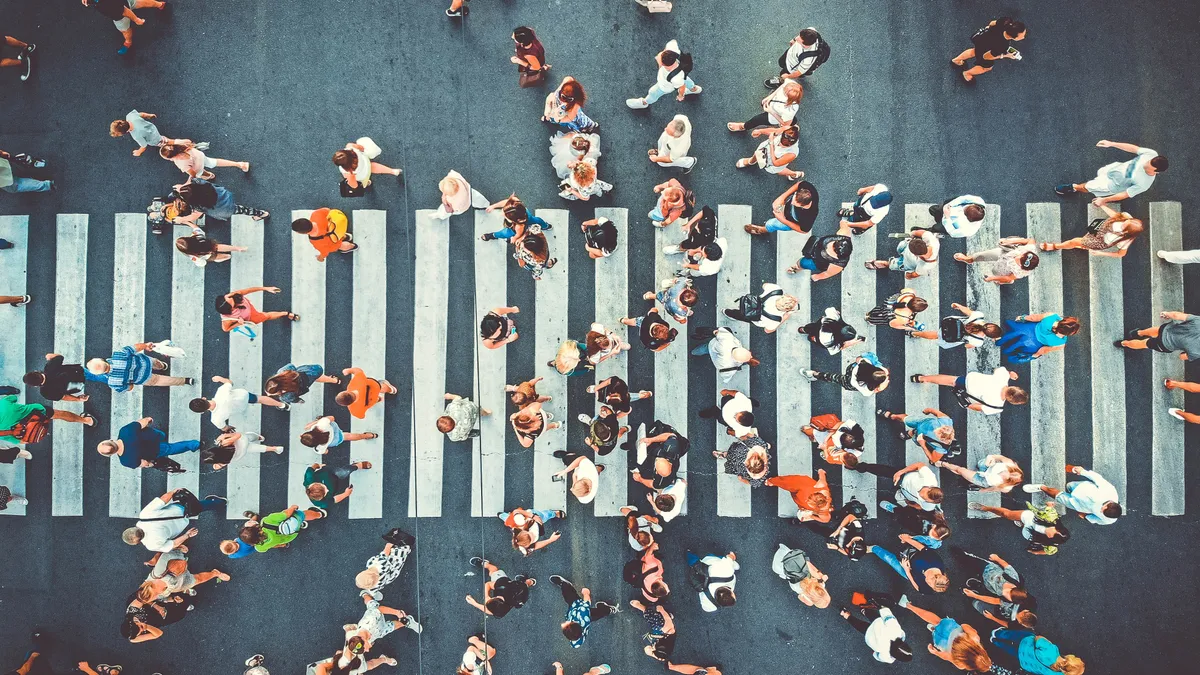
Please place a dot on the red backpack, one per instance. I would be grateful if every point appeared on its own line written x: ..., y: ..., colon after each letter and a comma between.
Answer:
x: 32, y: 429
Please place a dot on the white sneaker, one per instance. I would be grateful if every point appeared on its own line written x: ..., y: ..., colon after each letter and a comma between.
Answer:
x: 810, y: 375
x: 903, y: 601
x: 586, y: 419
x: 673, y: 249
x: 637, y: 103
x: 1177, y: 413
x: 1032, y: 488
x: 412, y: 624
x: 19, y: 501
x: 694, y: 90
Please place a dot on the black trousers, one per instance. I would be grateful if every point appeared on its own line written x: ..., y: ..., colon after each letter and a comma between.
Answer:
x: 599, y: 609
x: 881, y: 470
x: 760, y: 120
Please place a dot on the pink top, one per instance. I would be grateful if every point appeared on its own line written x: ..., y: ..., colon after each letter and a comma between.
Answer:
x: 245, y: 312
x: 191, y: 162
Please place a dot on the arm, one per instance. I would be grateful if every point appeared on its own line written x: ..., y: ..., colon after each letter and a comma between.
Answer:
x: 145, y: 422
x: 352, y: 371
x: 570, y: 467
x: 546, y: 542
x: 148, y: 632
x: 1126, y: 147
x: 451, y: 397
x: 908, y: 469
x: 222, y: 380
x: 832, y: 270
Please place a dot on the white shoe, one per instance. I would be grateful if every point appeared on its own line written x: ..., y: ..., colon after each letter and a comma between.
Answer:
x: 586, y: 419
x: 1177, y: 413
x: 694, y: 90
x: 903, y: 601
x: 637, y: 103
x: 673, y: 249
x: 1032, y: 488
x: 19, y: 501
x: 810, y: 375
x: 412, y: 624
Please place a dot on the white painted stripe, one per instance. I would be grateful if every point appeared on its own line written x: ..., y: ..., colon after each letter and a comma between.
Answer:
x: 308, y: 346
x: 921, y: 356
x: 612, y: 304
x: 12, y: 353
x: 187, y: 331
x: 1107, y: 286
x: 983, y: 431
x: 369, y: 352
x: 793, y: 393
x: 430, y: 308
x: 858, y: 298
x: 1166, y: 294
x: 491, y: 372
x: 70, y: 327
x: 670, y: 365
x: 1047, y: 381
x: 549, y: 331
x: 246, y: 370
x: 733, y: 281
x: 129, y: 310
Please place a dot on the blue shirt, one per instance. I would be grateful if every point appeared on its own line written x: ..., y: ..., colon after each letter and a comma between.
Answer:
x: 926, y: 426
x: 1044, y: 331
x: 139, y: 444
x: 670, y: 299
x: 580, y: 612
x: 129, y: 367
x: 244, y: 550
x: 1037, y: 654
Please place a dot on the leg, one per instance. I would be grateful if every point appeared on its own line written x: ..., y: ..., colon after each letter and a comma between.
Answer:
x: 881, y: 470
x: 546, y: 515
x: 860, y: 624
x: 760, y: 120
x: 940, y: 380
x: 178, y: 447
x: 244, y: 166
x: 68, y: 416
x: 376, y: 167
x: 1181, y: 257
x: 1007, y: 514
x: 256, y: 214
x: 889, y: 558
x: 268, y: 401
x: 211, y: 504
x: 272, y: 316
x: 359, y: 437
x: 925, y: 615
x: 165, y: 381
x: 569, y: 593
x: 14, y: 300
x: 22, y: 184
x: 967, y: 54
x: 736, y: 314
x: 146, y: 4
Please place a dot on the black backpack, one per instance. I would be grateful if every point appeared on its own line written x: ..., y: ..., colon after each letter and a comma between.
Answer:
x: 822, y: 55
x: 514, y: 591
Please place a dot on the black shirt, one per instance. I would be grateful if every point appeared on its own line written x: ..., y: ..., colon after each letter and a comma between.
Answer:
x: 991, y: 41
x: 703, y: 232
x: 602, y: 235
x: 62, y: 379
x: 614, y: 427
x: 650, y: 341
x: 508, y: 594
x: 816, y: 249
x: 804, y: 216
x: 113, y: 9
x: 615, y: 395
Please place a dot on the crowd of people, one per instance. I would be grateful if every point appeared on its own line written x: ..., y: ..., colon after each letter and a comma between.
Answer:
x: 997, y: 592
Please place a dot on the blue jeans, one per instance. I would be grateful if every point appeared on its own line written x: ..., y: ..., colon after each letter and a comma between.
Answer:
x: 1009, y: 641
x: 211, y: 504
x: 807, y: 264
x: 774, y: 225
x: 179, y: 447
x: 701, y: 350
x: 509, y: 233
x: 656, y: 92
x: 692, y: 558
x: 21, y: 184
x: 891, y: 559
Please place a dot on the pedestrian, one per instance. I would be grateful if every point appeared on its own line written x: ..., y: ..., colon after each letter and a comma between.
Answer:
x: 1180, y: 413
x: 564, y: 107
x: 847, y: 538
x: 582, y: 183
x: 7, y: 497
x: 279, y: 529
x: 237, y: 310
x: 827, y: 255
x: 498, y: 328
x: 568, y: 150
x: 657, y: 456
x: 525, y: 392
x: 327, y: 486
x: 603, y: 344
x: 460, y: 418
x: 235, y: 549
x: 654, y: 332
x: 581, y: 612
x: 233, y: 445
x: 991, y: 43
x: 640, y: 527
x: 673, y: 203
x: 202, y: 249
x: 139, y: 445
x: 839, y: 441
x: 229, y: 403
x: 501, y: 593
x: 164, y: 523
x: 915, y: 255
x: 865, y: 374
x: 1180, y: 333
x: 880, y: 628
x: 583, y: 472
x: 831, y: 332
x: 613, y: 392
x: 350, y: 660
x: 140, y: 129
x: 1116, y: 232
x: 1119, y: 181
x: 529, y: 422
x: 324, y: 433
x: 700, y: 230
x: 998, y: 593
x: 774, y: 154
x: 477, y: 660
x: 357, y: 164
x: 899, y: 311
x: 10, y: 182
x: 530, y: 58
x: 916, y: 485
x: 674, y: 69
x: 199, y: 198
x: 1093, y: 498
x: 705, y: 261
x: 384, y: 567
x: 527, y: 527
x: 919, y: 564
x: 714, y: 577
x: 362, y: 392
x: 645, y: 573
x: 120, y: 12
x: 1042, y: 528
x: 779, y: 108
x: 677, y: 295
x: 726, y: 351
x: 767, y: 310
x: 959, y: 218
x: 793, y: 211
x: 814, y: 500
x: 668, y: 502
x: 932, y: 431
x: 749, y: 459
x: 674, y: 144
x: 24, y: 56
x: 805, y: 53
x: 1032, y: 336
x: 968, y: 329
x: 458, y: 196
x: 191, y: 160
x: 982, y: 392
x: 131, y: 366
x: 735, y: 411
x: 144, y: 621
x: 375, y: 623
x: 1035, y: 653
x: 869, y: 209
x: 291, y: 382
x: 170, y: 576
x: 954, y: 642
x: 929, y: 528
x: 1015, y: 258
x: 328, y: 230
x: 808, y: 583
x: 30, y: 422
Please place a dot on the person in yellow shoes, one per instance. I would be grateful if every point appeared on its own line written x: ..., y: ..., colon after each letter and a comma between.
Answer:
x: 328, y: 232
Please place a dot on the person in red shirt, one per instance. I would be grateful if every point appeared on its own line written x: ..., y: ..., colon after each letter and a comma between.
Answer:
x: 363, y: 392
x: 812, y: 496
x: 327, y: 231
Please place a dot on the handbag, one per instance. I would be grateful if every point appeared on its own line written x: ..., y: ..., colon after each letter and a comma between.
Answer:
x: 168, y: 348
x: 531, y: 78
x: 657, y: 6
x: 32, y: 429
x: 348, y: 191
x: 169, y: 466
x: 244, y: 329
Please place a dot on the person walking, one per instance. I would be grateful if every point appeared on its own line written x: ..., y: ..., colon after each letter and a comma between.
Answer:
x: 1043, y: 528
x: 826, y: 256
x: 865, y: 374
x: 869, y: 209
x: 564, y: 107
x: 477, y: 660
x: 998, y: 593
x: 706, y: 260
x: 814, y: 500
x: 362, y: 392
x: 170, y: 576
x: 1187, y: 257
x: 674, y: 77
x: 767, y: 310
x: 779, y: 108
x: 715, y: 578
x: 990, y: 44
x: 191, y: 160
x: 10, y: 182
x: 795, y: 210
x: 959, y: 218
x: 899, y: 311
x: 328, y: 230
x: 916, y: 485
x: 775, y: 153
x: 498, y: 328
x: 805, y: 53
x: 461, y: 417
x: 735, y: 411
x: 880, y: 628
x: 120, y: 12
x: 236, y: 310
x: 230, y: 403
x: 200, y: 198
x: 375, y: 623
x: 7, y: 497
x: 982, y: 392
x: 202, y: 249
x: 968, y: 329
x: 659, y: 449
x: 1119, y: 181
x: 164, y: 524
x: 291, y: 382
x: 1032, y: 336
x: 327, y: 486
x: 24, y: 55
x: 143, y: 132
x: 324, y: 433
x: 954, y: 642
x: 808, y: 583
x: 232, y: 446
x: 581, y: 612
x: 653, y: 331
x: 673, y: 203
x: 501, y: 593
x: 915, y: 255
x: 645, y: 573
x: 29, y: 423
x: 726, y: 352
x: 356, y: 162
x: 831, y: 332
x: 613, y: 392
x: 839, y: 441
x: 568, y: 150
x: 1093, y: 498
x: 919, y: 564
x: 518, y: 220
x: 582, y: 183
x: 1180, y: 333
x: 674, y: 144
x: 131, y: 366
x: 1036, y: 654
x: 279, y: 529
x: 530, y: 58
x: 749, y: 459
x: 527, y: 527
x: 932, y: 431
x: 677, y: 295
x: 458, y: 196
x: 139, y: 445
x: 1110, y: 236
x: 993, y: 473
x: 583, y: 472
x: 1015, y: 258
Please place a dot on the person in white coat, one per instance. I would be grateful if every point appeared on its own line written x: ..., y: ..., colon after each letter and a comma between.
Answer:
x: 458, y: 196
x: 674, y: 144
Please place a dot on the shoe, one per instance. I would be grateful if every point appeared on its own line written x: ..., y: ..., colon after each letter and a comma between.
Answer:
x: 557, y: 580
x: 772, y: 82
x: 398, y: 537
x: 605, y: 668
x: 256, y: 660
x: 28, y: 65
x: 556, y: 479
x: 123, y: 50
x: 637, y: 103
x: 903, y: 601
x: 1177, y: 413
x: 758, y: 230
x: 476, y: 561
x: 672, y: 250
x: 845, y: 213
x: 9, y: 391
x: 586, y: 419
x: 694, y: 91
x: 412, y: 624
x: 487, y: 236
x: 809, y: 374
x: 456, y: 14
x: 1032, y: 488
x: 219, y: 497
x: 323, y: 512
x: 887, y: 506
x: 24, y: 501
x: 1064, y: 190
x: 25, y: 300
x: 189, y: 380
x: 286, y: 407
x: 6, y: 244
x: 1119, y: 344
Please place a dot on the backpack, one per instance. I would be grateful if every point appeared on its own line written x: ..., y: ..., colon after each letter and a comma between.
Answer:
x: 795, y: 566
x: 752, y: 306
x: 953, y: 330
x: 514, y: 591
x: 31, y: 429
x: 822, y: 55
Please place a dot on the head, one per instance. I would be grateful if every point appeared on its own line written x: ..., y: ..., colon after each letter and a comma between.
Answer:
x: 367, y: 579
x: 725, y: 597
x: 901, y: 651
x: 1016, y: 395
x: 818, y: 501
x: 790, y: 136
x: 34, y: 378
x: 537, y: 245
x: 937, y: 580
x: 1018, y: 595
x: 1029, y: 261
x: 1111, y: 510
x: 808, y: 37
x: 585, y: 174
x: 176, y: 210
x: 118, y: 128
x: 287, y: 382
x: 803, y: 197
x: 356, y: 644
x: 302, y: 226
x: 1027, y: 618
x: 933, y: 495
x: 667, y: 58
x: 229, y: 547
x: 98, y: 366
x: 1014, y: 30
x: 743, y: 355
x: 252, y: 534
x: 524, y: 36
x: 107, y: 448
x: 939, y: 531
x: 217, y: 454
x: 850, y: 460
x: 787, y: 303
x: 515, y: 211
x: 147, y: 592
x: 973, y: 212
x: 989, y: 330
x: 918, y: 247
x: 838, y: 248
x: 225, y: 304
x: 133, y: 536
x: 522, y: 539
x: 675, y: 128
x: 316, y: 492
x: 581, y: 144
x: 672, y: 196
x: 793, y: 91
x: 756, y: 464
x: 643, y: 538
x: 1157, y: 165
x: 713, y: 252
x: 445, y: 423
x: 815, y: 592
x: 744, y: 418
x: 1130, y: 227
x: 1067, y: 327
x: 172, y: 150
x: 345, y: 398
x: 571, y: 630
x: 944, y: 434
x: 1069, y: 665
x: 582, y: 488
x: 314, y: 437
x: 917, y: 304
x: 664, y: 502
x: 966, y: 652
x: 660, y: 331
x: 572, y: 93
x: 876, y: 378
x: 688, y: 297
x: 191, y: 245
x: 663, y: 467
x: 345, y: 159
x: 200, y: 405
x: 856, y: 548
x: 658, y: 590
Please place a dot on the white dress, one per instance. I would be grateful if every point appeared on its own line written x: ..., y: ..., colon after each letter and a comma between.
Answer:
x: 595, y: 189
x: 562, y: 154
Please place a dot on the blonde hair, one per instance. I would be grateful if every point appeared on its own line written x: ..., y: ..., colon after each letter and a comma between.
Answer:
x: 448, y: 185
x: 815, y: 591
x: 584, y: 173
x: 1069, y: 664
x: 96, y: 366
x: 367, y: 579
x: 146, y: 593
x: 118, y: 128
x: 581, y: 488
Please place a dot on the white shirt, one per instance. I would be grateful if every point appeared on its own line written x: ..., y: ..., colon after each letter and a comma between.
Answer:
x: 158, y: 535
x: 643, y: 525
x: 770, y: 306
x: 720, y: 350
x: 876, y: 214
x: 1089, y: 496
x: 325, y: 425
x: 914, y: 262
x: 777, y: 109
x: 711, y: 267
x: 723, y: 566
x: 678, y: 490
x: 779, y: 150
x: 989, y: 389
x: 881, y: 633
x: 676, y: 147
x: 1129, y: 176
x: 460, y: 201
x: 671, y: 83
x: 587, y: 471
x: 908, y: 490
x: 793, y: 60
x: 997, y: 471
x: 738, y: 404
x: 228, y: 403
x: 955, y: 221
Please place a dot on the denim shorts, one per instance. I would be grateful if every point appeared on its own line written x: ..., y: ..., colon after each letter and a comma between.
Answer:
x: 773, y: 225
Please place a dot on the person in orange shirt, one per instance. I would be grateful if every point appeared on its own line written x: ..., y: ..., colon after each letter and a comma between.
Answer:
x: 327, y: 232
x: 363, y: 392
x: 812, y: 496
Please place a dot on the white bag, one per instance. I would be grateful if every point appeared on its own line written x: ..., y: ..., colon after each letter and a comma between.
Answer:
x: 657, y: 6
x: 369, y: 148
x: 168, y: 348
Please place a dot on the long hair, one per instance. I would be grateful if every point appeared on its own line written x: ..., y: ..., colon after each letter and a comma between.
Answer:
x: 287, y: 382
x: 968, y: 654
x: 574, y: 92
x: 217, y: 454
x: 346, y: 159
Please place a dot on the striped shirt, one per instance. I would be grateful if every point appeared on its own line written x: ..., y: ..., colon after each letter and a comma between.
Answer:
x: 129, y: 367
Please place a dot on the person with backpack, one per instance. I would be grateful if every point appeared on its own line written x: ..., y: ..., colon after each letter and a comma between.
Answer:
x: 199, y: 198
x: 831, y: 332
x: 677, y: 295
x: 501, y: 593
x: 725, y: 350
x: 646, y: 574
x: 328, y: 230
x: 164, y: 524
x: 871, y: 207
x: 1040, y: 525
x: 658, y: 456
x: 880, y: 627
x: 805, y: 53
x: 990, y: 44
x: 932, y: 431
x: 139, y: 445
x: 674, y: 69
x: 793, y: 211
x: 767, y: 310
x: 827, y: 255
x: 599, y: 237
x: 640, y: 527
x: 865, y: 374
x: 998, y: 593
x: 279, y: 529
x: 30, y: 422
x: 848, y: 538
x: 967, y: 329
x: 839, y: 441
x: 604, y: 430
x: 700, y: 230
x: 981, y: 392
x: 806, y: 581
x: 714, y: 578
x: 916, y: 255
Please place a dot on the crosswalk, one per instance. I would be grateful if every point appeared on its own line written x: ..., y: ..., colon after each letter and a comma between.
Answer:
x: 422, y: 377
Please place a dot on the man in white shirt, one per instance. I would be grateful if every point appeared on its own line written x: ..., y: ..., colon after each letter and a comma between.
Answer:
x: 229, y: 403
x: 668, y: 502
x: 720, y: 576
x: 873, y: 204
x: 674, y: 144
x: 673, y: 69
x: 735, y: 411
x: 805, y: 53
x: 960, y: 217
x: 1094, y: 498
x: 163, y: 524
x: 727, y: 353
x: 986, y: 392
x: 883, y: 634
x: 774, y: 307
x: 1120, y: 180
x: 706, y: 261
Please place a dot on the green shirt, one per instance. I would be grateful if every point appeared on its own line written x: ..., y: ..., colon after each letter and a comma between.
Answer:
x: 13, y: 411
x: 275, y: 536
x: 325, y: 477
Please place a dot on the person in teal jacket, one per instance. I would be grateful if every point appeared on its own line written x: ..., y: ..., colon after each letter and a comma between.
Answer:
x: 1035, y: 653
